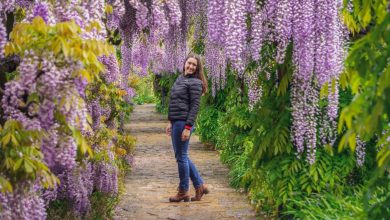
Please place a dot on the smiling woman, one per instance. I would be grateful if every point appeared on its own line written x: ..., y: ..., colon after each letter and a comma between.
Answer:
x: 190, y: 66
x: 182, y: 111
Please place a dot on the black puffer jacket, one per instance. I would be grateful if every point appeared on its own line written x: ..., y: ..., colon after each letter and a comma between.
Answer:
x: 184, y: 99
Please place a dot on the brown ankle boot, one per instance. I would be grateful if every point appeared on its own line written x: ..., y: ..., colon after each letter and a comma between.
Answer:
x: 181, y: 195
x: 199, y: 192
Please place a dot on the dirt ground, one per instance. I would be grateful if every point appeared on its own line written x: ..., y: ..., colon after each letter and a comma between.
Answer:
x: 155, y: 177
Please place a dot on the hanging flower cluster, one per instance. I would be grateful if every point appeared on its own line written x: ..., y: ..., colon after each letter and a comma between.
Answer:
x: 22, y: 205
x: 360, y: 152
x: 3, y: 38
x: 215, y: 42
x: 113, y: 18
x: 226, y: 36
x: 318, y: 55
x: 140, y: 58
x: 255, y: 90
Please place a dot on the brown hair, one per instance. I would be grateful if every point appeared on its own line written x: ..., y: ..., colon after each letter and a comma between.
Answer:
x: 198, y: 72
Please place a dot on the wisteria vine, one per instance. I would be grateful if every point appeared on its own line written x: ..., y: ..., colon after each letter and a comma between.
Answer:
x: 154, y: 37
x: 59, y: 90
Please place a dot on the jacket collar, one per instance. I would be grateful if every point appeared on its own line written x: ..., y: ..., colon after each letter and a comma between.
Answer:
x: 189, y: 75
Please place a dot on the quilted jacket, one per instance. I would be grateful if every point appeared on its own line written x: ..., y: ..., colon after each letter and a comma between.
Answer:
x: 184, y: 99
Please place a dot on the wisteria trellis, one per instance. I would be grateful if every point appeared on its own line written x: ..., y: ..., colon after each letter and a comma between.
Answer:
x: 154, y: 38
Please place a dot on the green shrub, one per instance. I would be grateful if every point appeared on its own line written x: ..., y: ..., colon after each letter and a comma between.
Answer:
x: 325, y: 206
x: 162, y: 85
x: 144, y: 91
x: 207, y: 124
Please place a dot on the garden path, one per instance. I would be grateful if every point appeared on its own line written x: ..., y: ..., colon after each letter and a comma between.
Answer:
x: 155, y: 178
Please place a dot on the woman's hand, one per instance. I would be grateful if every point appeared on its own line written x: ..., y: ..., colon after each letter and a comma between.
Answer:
x: 168, y: 129
x: 185, y: 135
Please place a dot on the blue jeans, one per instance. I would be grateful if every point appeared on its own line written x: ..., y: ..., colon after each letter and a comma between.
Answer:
x: 185, y: 166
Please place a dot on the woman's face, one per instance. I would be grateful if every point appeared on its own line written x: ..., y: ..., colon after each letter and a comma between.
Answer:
x: 190, y: 66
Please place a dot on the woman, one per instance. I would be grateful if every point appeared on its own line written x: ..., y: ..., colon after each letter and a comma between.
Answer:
x: 182, y: 111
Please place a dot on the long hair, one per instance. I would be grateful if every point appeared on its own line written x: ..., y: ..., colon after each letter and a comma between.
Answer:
x: 198, y: 72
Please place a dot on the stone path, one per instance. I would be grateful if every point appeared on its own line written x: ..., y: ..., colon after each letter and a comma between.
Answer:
x: 155, y: 177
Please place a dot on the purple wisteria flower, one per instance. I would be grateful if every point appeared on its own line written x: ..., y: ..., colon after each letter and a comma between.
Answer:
x: 360, y: 152
x: 42, y: 9
x: 3, y: 38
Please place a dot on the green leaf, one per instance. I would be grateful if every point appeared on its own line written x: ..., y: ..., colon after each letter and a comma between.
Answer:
x: 5, y: 185
x: 28, y: 166
x: 9, y: 162
x: 109, y: 9
x: 315, y: 176
x: 33, y: 97
x: 309, y: 190
x: 14, y: 141
x: 383, y: 158
x: 18, y: 164
x: 6, y: 139
x: 352, y: 141
x: 282, y: 88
